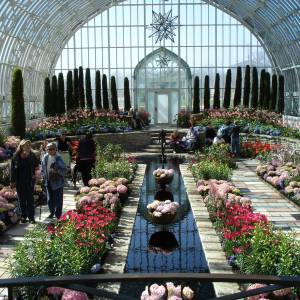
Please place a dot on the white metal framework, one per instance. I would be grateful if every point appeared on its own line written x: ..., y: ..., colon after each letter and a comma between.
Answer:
x: 33, y: 34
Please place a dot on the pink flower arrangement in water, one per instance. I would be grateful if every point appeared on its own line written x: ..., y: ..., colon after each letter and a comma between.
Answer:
x: 160, y: 208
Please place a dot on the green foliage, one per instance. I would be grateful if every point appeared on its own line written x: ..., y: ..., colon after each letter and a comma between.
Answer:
x: 271, y: 253
x: 54, y: 97
x: 238, y: 88
x: 105, y: 92
x: 61, y: 94
x: 246, y: 96
x: 280, y: 106
x: 98, y: 90
x: 2, y: 136
x: 267, y: 91
x: 47, y: 97
x: 206, y: 93
x: 207, y: 169
x: 216, y: 104
x: 273, y: 93
x: 196, y: 103
x: 114, y: 94
x: 254, y: 90
x: 220, y: 153
x: 76, y: 89
x: 227, y: 93
x: 88, y: 88
x: 127, y: 104
x: 261, y: 99
x: 69, y: 94
x: 81, y: 88
x: 111, y: 163
x: 18, y: 121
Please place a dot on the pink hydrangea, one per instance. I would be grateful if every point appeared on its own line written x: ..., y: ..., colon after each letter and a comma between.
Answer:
x: 74, y: 295
x: 256, y: 286
x: 122, y: 189
x: 55, y: 291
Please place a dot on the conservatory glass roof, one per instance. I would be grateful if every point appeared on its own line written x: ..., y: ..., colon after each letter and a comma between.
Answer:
x: 33, y: 34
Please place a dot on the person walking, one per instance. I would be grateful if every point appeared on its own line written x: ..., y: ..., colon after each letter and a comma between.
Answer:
x: 23, y: 166
x: 86, y: 157
x: 235, y: 139
x: 53, y: 170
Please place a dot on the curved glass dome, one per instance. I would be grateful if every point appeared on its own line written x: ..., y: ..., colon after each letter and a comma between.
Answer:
x: 33, y: 35
x: 162, y: 85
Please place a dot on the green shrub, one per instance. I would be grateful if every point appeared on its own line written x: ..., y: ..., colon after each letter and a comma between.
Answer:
x: 81, y: 89
x: 216, y: 103
x: 105, y: 92
x: 18, y: 121
x: 127, y: 104
x: 220, y: 153
x: 207, y: 169
x: 271, y: 253
x: 88, y: 88
x: 196, y: 100
x: 98, y: 90
x: 227, y: 93
x: 206, y: 93
x: 114, y: 94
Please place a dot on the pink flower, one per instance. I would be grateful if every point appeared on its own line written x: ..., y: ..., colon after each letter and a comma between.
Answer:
x: 256, y: 286
x: 74, y: 295
x: 55, y: 291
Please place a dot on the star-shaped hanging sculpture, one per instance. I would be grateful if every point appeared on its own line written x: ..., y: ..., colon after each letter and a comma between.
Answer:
x: 163, y: 26
x: 162, y: 60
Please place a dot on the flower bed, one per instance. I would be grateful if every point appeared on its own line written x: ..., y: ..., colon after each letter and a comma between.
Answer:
x: 250, y: 242
x: 250, y: 120
x: 78, y: 122
x: 283, y: 176
x: 255, y: 148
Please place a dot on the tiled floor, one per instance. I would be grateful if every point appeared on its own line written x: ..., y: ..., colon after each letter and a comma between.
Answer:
x: 266, y: 199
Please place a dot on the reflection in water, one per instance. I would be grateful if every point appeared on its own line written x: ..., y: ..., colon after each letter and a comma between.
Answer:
x: 163, y: 242
x: 189, y: 256
x: 163, y: 194
x: 181, y: 251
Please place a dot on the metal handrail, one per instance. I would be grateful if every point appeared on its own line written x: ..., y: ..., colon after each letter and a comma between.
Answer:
x: 77, y: 282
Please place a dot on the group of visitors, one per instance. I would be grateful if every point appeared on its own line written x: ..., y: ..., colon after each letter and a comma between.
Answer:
x: 54, y: 164
x: 189, y: 142
x: 228, y: 133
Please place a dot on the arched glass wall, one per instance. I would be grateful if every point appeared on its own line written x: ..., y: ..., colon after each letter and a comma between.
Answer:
x: 208, y: 40
x: 162, y: 85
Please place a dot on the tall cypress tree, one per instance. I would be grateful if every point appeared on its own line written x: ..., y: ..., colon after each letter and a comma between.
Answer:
x: 127, y: 104
x: 105, y: 92
x: 18, y: 121
x: 261, y: 100
x: 217, y: 92
x: 227, y: 93
x: 246, y: 96
x: 267, y: 90
x: 76, y: 89
x: 196, y: 102
x: 61, y: 94
x: 238, y: 87
x: 114, y: 94
x: 273, y: 93
x: 280, y: 106
x: 81, y: 89
x: 69, y: 93
x: 98, y: 90
x: 88, y: 88
x: 54, y: 96
x: 254, y: 90
x: 206, y: 93
x: 47, y: 97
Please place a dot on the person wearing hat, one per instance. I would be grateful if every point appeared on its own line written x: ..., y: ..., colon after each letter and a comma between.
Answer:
x: 23, y: 165
x: 53, y: 170
x: 86, y: 157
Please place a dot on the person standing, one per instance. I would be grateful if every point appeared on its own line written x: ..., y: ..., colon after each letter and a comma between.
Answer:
x: 235, y: 139
x: 86, y: 157
x: 23, y: 165
x: 53, y: 170
x: 64, y: 148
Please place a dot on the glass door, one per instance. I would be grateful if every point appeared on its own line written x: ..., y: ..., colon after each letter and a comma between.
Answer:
x: 162, y: 108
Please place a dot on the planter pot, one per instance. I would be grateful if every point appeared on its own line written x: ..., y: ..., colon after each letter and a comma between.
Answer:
x: 164, y: 219
x: 163, y: 180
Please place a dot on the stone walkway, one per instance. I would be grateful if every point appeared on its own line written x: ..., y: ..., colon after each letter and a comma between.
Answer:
x: 16, y: 234
x: 266, y: 199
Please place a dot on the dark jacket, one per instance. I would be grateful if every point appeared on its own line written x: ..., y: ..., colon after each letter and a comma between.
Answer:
x: 23, y: 169
x: 86, y: 149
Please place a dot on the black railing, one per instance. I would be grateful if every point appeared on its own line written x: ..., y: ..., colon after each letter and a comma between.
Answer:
x: 83, y: 282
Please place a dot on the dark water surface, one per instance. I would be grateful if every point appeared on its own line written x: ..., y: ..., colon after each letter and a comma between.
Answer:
x: 145, y: 254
